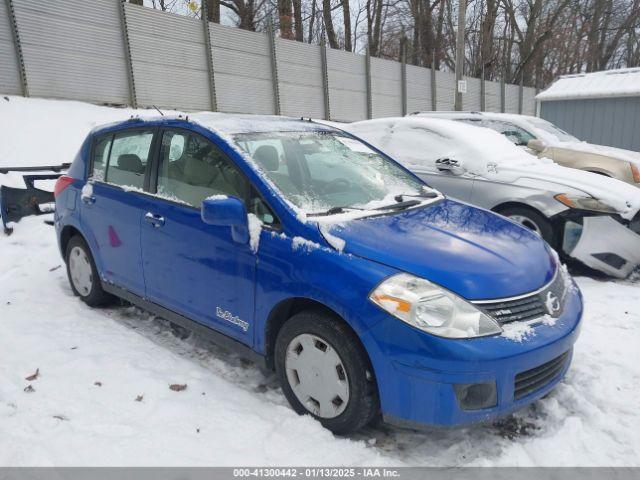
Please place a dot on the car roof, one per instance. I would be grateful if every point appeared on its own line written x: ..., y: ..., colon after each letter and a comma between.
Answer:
x: 514, y: 117
x: 224, y: 124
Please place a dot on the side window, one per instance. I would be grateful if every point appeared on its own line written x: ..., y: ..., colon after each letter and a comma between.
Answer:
x: 101, y: 150
x: 130, y: 152
x: 514, y: 133
x: 191, y: 169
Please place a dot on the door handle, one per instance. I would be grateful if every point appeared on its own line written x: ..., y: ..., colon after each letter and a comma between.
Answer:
x: 156, y: 220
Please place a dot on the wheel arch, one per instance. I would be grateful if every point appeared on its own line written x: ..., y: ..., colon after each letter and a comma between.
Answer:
x: 285, y: 309
x: 68, y: 231
x: 513, y: 204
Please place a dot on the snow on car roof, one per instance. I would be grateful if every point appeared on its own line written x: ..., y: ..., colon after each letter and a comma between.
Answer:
x: 624, y: 82
x: 480, y: 147
x: 227, y: 123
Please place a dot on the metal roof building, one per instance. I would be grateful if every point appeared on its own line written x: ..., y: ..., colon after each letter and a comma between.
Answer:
x: 600, y: 107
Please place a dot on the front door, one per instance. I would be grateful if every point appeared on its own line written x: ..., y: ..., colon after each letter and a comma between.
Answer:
x: 112, y: 203
x: 192, y: 268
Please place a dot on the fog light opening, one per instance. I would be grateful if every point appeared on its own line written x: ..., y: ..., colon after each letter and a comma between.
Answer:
x: 476, y: 396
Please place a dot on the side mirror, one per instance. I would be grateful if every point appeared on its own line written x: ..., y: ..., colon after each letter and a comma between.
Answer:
x: 536, y: 145
x: 223, y: 211
x: 450, y: 165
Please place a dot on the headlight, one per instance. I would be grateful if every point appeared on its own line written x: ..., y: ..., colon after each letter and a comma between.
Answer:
x: 431, y: 308
x: 585, y: 203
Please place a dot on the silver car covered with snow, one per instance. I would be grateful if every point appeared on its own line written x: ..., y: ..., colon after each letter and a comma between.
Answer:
x: 585, y: 216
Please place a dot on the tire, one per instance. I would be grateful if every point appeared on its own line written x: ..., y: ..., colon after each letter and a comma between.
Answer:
x: 532, y: 220
x: 346, y: 415
x: 83, y: 274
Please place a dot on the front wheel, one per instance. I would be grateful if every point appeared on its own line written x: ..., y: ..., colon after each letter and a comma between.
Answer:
x: 83, y: 274
x: 533, y: 221
x: 324, y: 372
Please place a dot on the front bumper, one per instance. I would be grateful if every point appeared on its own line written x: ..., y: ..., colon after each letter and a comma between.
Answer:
x: 604, y: 244
x: 417, y: 372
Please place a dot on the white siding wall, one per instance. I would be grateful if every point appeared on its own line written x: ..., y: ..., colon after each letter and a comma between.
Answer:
x: 73, y: 49
x: 9, y: 70
x: 347, y: 86
x: 169, y: 59
x: 300, y: 79
x: 242, y: 66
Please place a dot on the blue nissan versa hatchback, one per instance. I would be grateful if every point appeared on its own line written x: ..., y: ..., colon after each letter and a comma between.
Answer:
x: 368, y: 292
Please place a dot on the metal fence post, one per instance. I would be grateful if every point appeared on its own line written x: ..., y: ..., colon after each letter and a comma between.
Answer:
x: 325, y: 78
x: 502, y: 96
x: 367, y: 74
x: 434, y: 90
x: 209, y: 50
x: 133, y: 99
x: 520, y: 95
x: 274, y: 66
x: 18, y: 46
x: 482, y: 92
x: 403, y: 74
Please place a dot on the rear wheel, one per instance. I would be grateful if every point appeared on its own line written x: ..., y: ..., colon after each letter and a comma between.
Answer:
x: 533, y: 221
x: 83, y: 275
x: 324, y: 372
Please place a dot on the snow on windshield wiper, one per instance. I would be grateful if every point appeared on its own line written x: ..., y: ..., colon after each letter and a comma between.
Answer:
x: 332, y: 211
x: 430, y: 194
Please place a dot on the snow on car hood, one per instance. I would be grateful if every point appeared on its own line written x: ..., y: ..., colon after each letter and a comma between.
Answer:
x: 418, y: 142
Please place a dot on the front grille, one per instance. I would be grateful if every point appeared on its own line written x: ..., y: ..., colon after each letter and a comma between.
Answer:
x: 524, y: 309
x: 531, y: 380
x: 527, y: 307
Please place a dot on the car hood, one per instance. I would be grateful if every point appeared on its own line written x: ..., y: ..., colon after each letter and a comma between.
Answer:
x: 625, y: 198
x: 472, y: 252
x: 613, y: 152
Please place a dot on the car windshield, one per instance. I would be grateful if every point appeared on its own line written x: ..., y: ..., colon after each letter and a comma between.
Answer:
x: 515, y: 134
x: 551, y: 130
x: 326, y: 171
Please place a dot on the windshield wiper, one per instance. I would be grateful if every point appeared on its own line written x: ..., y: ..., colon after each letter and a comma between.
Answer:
x: 427, y: 195
x: 400, y: 205
x: 332, y: 211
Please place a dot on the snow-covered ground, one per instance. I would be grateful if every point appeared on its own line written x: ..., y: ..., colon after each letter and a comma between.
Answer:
x: 94, y: 364
x: 102, y: 396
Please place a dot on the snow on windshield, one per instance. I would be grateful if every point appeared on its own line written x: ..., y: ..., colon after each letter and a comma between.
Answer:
x: 549, y: 132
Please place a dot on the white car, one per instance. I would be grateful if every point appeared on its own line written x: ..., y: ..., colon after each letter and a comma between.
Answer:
x: 585, y: 216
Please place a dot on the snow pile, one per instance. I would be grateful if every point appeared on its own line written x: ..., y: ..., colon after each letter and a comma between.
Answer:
x: 50, y: 132
x: 624, y: 82
x: 255, y: 229
x: 300, y: 243
x: 517, y: 331
x: 336, y: 242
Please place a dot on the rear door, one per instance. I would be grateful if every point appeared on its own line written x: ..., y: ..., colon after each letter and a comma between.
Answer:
x: 192, y: 268
x: 112, y: 204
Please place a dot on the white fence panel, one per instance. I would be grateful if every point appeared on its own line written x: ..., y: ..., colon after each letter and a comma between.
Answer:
x: 471, y: 99
x: 529, y: 101
x: 386, y: 88
x: 492, y: 96
x: 242, y: 66
x: 169, y: 59
x: 9, y: 70
x: 347, y: 85
x: 73, y: 49
x: 418, y: 89
x: 445, y: 84
x: 300, y: 79
x: 511, y: 97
